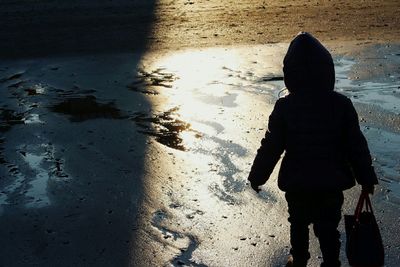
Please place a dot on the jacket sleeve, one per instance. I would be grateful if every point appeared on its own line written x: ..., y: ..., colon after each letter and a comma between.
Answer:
x: 272, y: 146
x: 358, y: 153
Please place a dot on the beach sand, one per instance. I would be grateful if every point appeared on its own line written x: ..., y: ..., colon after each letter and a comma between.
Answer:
x: 211, y: 23
x: 128, y: 127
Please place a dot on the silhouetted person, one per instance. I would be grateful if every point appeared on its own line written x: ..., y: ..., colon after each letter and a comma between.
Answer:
x: 325, y: 151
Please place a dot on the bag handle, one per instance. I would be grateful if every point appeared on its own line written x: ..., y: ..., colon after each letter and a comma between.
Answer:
x: 364, y: 198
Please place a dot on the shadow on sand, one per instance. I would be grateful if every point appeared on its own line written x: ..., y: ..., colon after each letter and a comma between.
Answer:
x: 70, y: 185
x: 53, y: 27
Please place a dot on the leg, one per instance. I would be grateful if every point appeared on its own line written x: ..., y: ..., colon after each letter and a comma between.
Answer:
x: 299, y: 222
x: 329, y: 242
x: 299, y: 241
x: 327, y: 217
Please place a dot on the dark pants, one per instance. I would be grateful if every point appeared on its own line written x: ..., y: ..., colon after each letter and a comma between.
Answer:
x: 323, y: 210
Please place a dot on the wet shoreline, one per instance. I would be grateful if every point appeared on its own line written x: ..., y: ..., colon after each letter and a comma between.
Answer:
x: 84, y: 142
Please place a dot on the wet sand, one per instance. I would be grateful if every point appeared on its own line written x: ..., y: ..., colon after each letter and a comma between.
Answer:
x: 187, y: 23
x: 134, y: 151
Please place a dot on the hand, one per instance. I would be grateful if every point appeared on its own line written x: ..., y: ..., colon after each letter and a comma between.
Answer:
x: 255, y: 187
x: 368, y: 189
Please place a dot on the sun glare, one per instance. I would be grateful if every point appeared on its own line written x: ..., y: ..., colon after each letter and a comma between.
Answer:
x: 197, y: 89
x: 202, y: 88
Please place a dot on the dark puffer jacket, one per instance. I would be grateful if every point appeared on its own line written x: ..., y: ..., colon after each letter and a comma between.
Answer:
x: 316, y: 127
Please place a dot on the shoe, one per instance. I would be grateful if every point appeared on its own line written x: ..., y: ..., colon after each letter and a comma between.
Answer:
x: 289, y: 262
x: 292, y: 263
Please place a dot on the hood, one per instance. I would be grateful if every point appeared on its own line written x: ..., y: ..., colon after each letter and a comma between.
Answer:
x: 308, y: 65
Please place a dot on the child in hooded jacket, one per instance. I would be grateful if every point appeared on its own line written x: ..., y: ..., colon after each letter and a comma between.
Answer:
x: 325, y: 150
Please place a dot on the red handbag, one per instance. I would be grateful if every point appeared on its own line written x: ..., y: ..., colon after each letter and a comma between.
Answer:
x: 364, y: 245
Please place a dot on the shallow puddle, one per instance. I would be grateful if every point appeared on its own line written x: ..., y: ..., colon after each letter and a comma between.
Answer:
x: 32, y: 176
x: 32, y: 119
x: 86, y: 108
x: 37, y: 187
x: 36, y: 89
x: 165, y: 127
x: 385, y: 95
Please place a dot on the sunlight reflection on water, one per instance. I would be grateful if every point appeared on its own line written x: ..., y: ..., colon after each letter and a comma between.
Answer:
x: 209, y: 85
